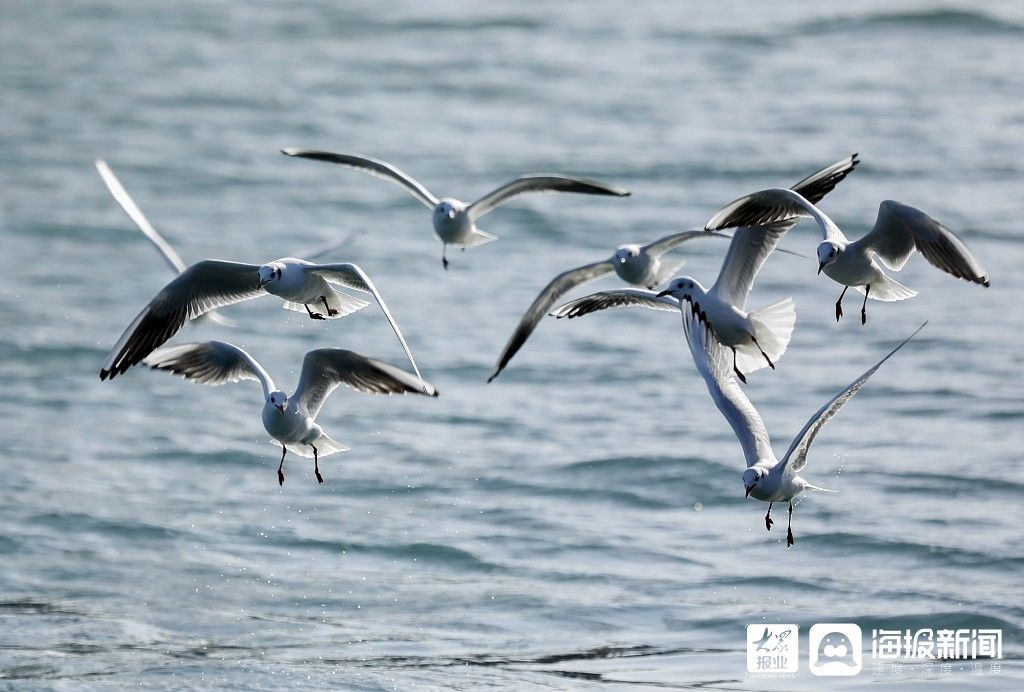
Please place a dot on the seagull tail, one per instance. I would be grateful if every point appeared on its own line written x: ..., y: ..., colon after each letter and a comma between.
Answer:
x: 773, y: 327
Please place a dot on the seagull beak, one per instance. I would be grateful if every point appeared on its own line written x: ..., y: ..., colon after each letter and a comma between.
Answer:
x: 821, y: 265
x: 279, y: 408
x: 664, y: 293
x: 749, y: 488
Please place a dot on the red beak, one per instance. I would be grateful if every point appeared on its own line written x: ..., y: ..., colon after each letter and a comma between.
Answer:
x: 279, y: 408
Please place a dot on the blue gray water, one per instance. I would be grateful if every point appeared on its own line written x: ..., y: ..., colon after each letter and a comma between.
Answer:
x: 580, y: 521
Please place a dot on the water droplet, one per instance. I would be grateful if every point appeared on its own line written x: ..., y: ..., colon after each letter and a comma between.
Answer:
x: 697, y: 506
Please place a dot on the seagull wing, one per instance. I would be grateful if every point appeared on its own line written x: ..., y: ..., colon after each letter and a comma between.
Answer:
x: 796, y: 456
x: 748, y: 251
x: 540, y: 183
x: 210, y: 362
x: 771, y: 206
x: 714, y: 363
x: 900, y: 229
x: 662, y: 245
x: 815, y: 186
x: 353, y: 276
x: 126, y: 203
x: 562, y: 283
x: 375, y: 167
x: 615, y: 298
x: 204, y: 286
x: 325, y: 368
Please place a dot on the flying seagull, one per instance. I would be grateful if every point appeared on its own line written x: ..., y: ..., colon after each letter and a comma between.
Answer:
x: 766, y: 478
x: 291, y: 420
x: 455, y: 221
x: 212, y: 284
x: 165, y: 249
x: 899, y: 230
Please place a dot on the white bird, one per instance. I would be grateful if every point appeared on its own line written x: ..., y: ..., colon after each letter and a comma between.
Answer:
x: 455, y: 221
x: 291, y: 420
x: 639, y: 265
x: 766, y: 478
x: 212, y: 284
x: 757, y: 338
x: 173, y: 259
x: 899, y: 230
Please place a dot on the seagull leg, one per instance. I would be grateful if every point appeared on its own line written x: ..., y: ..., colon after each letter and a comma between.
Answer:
x: 770, y: 363
x: 316, y: 466
x: 444, y: 259
x: 789, y: 531
x: 768, y: 517
x: 330, y: 311
x: 737, y: 370
x: 839, y: 304
x: 313, y: 315
x: 280, y: 467
x: 864, y: 307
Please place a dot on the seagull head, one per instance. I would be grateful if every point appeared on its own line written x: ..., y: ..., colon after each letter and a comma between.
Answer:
x: 626, y: 254
x: 270, y: 273
x: 751, y: 477
x: 681, y: 288
x: 445, y: 210
x: 278, y: 400
x: 828, y: 252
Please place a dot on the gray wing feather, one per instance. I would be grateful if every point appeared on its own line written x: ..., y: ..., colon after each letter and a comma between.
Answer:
x: 900, y: 229
x: 615, y: 298
x: 353, y: 276
x: 540, y: 183
x: 325, y: 368
x: 714, y: 363
x: 203, y: 287
x: 126, y: 203
x: 562, y: 283
x: 796, y: 455
x: 375, y: 167
x: 747, y: 253
x: 662, y: 245
x: 210, y: 362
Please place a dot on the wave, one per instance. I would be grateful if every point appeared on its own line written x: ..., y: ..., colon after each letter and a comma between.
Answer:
x: 966, y: 21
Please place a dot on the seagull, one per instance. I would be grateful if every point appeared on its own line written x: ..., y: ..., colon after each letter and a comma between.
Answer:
x: 899, y: 230
x: 212, y: 284
x: 766, y: 478
x: 291, y: 420
x: 454, y: 220
x: 757, y: 338
x: 639, y: 265
x: 165, y: 249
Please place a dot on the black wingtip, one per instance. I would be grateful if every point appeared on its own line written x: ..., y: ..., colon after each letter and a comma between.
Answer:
x: 104, y: 374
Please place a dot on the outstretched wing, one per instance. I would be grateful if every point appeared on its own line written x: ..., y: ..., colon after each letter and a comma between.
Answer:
x: 540, y: 183
x: 565, y: 281
x: 771, y: 206
x: 662, y: 245
x: 210, y: 362
x: 325, y: 368
x: 747, y: 253
x: 714, y: 363
x: 900, y: 229
x: 353, y: 276
x: 126, y: 203
x: 815, y: 186
x: 615, y: 298
x: 796, y: 455
x: 375, y: 167
x: 204, y: 286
